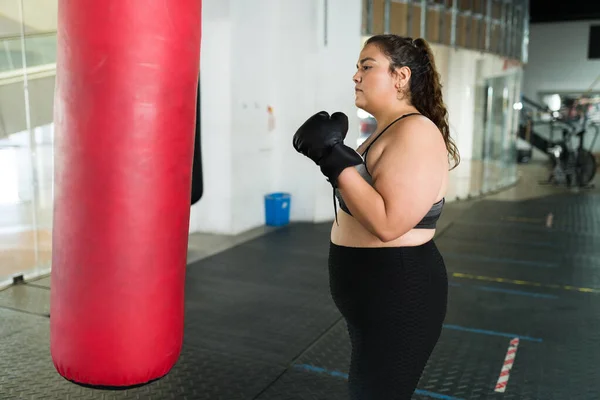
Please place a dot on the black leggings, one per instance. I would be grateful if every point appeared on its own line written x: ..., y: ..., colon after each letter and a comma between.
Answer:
x: 394, y: 303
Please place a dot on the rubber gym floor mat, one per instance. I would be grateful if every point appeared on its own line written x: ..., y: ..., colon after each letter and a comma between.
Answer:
x: 569, y: 272
x: 523, y: 277
x: 556, y: 370
x: 249, y: 311
x: 559, y: 325
x: 458, y: 369
x: 13, y: 323
x: 260, y: 323
x: 200, y: 373
x: 464, y: 366
x: 320, y: 373
x: 544, y: 256
x: 264, y: 303
x: 501, y: 314
x: 554, y: 326
x: 314, y: 384
x: 534, y: 318
x: 538, y: 239
x: 468, y: 359
x: 487, y: 250
x: 570, y: 214
x: 520, y: 234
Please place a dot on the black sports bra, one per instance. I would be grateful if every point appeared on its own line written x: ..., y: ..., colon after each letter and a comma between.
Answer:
x: 430, y: 219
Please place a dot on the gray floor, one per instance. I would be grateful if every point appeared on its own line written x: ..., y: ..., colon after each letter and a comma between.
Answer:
x: 260, y: 323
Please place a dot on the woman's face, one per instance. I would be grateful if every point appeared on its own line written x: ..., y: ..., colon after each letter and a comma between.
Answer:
x: 375, y: 87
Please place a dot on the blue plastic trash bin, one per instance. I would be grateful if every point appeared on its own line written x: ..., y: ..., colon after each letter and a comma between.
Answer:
x: 277, y: 209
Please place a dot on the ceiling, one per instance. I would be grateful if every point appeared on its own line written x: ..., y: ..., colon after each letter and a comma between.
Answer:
x: 572, y: 10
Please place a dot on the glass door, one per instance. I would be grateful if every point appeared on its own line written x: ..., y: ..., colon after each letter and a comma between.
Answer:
x: 27, y: 75
x: 499, y: 152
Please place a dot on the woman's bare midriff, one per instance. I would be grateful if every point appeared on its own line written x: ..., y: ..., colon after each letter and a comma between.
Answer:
x: 350, y: 233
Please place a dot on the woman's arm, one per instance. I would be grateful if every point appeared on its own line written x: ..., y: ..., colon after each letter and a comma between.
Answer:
x: 406, y: 180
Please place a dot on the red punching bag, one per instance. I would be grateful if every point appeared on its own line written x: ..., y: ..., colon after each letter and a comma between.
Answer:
x: 125, y: 108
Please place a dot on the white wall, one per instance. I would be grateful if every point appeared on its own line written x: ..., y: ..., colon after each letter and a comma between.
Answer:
x: 463, y: 72
x: 260, y: 54
x: 459, y: 99
x: 213, y: 212
x: 558, y: 58
x: 38, y: 15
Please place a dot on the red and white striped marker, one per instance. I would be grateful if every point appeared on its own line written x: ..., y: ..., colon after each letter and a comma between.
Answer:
x: 507, y: 366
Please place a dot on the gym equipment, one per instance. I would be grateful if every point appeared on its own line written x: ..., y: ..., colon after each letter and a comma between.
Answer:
x: 571, y: 164
x: 126, y: 83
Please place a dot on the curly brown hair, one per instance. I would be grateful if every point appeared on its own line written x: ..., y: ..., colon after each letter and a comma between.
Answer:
x: 425, y: 87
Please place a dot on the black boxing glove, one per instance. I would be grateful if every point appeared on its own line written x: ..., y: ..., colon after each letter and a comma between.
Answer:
x: 340, y: 158
x: 321, y: 138
x: 319, y: 134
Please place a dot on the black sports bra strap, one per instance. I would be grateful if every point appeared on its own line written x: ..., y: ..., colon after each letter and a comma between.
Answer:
x: 385, y: 129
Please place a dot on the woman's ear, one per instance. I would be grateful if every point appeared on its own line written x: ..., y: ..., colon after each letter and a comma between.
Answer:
x: 402, y: 77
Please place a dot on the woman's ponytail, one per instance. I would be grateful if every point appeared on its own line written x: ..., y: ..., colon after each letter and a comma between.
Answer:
x: 426, y: 96
x: 425, y: 86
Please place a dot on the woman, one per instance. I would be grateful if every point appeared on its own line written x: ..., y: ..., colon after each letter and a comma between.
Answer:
x: 387, y: 277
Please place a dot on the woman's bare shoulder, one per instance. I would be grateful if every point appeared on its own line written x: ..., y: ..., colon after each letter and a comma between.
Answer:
x: 413, y: 134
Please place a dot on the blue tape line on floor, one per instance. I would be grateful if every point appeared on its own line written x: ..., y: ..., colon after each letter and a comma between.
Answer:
x: 507, y: 291
x: 499, y: 260
x: 491, y: 333
x: 338, y: 374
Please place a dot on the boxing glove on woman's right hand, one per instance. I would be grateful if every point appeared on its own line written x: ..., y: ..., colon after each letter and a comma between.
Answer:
x: 321, y: 138
x: 319, y: 134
